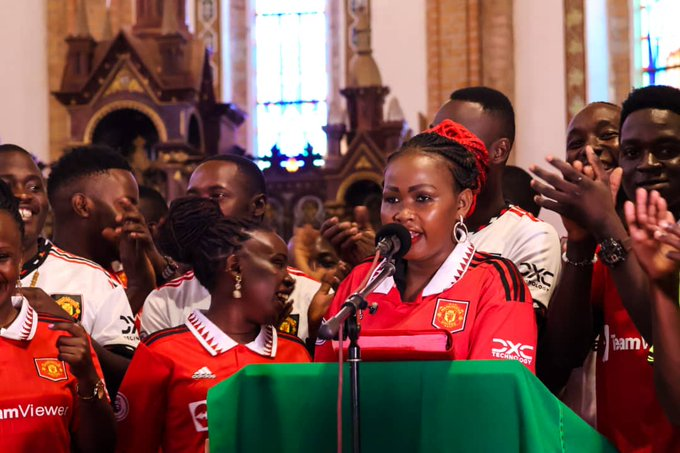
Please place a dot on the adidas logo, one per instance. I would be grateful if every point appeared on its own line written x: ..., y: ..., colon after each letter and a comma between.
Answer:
x: 203, y: 373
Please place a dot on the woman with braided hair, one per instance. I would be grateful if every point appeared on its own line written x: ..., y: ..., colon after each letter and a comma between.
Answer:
x: 162, y: 401
x: 430, y: 188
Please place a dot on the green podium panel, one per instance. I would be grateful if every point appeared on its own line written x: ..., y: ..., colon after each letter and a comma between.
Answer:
x: 472, y: 406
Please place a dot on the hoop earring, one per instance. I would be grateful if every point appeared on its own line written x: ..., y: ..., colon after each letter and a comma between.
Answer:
x: 237, y: 287
x: 460, y: 231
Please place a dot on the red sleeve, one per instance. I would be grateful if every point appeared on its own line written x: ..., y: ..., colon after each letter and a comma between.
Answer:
x: 323, y: 350
x: 505, y: 326
x: 141, y: 402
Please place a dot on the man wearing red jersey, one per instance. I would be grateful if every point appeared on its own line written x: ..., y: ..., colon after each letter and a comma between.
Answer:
x: 613, y: 298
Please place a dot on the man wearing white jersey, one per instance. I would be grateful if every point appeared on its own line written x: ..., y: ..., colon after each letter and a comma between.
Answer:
x: 82, y: 288
x: 238, y: 185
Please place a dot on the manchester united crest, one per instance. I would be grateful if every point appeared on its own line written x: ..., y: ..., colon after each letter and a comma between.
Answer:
x: 450, y: 315
x: 51, y: 369
x: 71, y: 304
x: 290, y: 325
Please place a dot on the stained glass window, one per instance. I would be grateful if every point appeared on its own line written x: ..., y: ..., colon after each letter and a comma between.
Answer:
x: 659, y: 42
x: 292, y: 79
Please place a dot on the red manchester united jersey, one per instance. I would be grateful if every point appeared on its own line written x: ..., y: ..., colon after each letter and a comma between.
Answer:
x: 162, y: 401
x: 481, y: 299
x: 628, y: 412
x: 38, y: 401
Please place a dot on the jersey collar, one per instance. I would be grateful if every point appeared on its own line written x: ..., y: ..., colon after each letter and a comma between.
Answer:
x: 24, y: 325
x: 215, y: 341
x: 453, y: 268
x: 44, y: 247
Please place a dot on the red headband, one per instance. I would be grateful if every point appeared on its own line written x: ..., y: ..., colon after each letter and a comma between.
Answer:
x: 459, y: 134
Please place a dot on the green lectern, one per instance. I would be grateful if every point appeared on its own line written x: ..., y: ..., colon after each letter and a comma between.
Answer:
x: 472, y: 406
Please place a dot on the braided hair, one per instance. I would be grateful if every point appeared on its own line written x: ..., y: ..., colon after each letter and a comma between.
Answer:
x: 196, y: 233
x: 10, y: 204
x: 465, y: 154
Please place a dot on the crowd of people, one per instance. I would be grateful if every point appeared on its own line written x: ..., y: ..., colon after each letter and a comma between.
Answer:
x: 210, y: 288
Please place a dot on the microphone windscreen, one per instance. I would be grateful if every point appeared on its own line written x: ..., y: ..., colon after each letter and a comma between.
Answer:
x: 398, y: 230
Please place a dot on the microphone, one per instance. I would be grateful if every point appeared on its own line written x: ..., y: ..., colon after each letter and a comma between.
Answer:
x: 393, y: 240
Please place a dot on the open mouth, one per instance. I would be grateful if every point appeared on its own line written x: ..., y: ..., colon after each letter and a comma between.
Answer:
x: 415, y: 236
x: 26, y: 214
x: 282, y: 297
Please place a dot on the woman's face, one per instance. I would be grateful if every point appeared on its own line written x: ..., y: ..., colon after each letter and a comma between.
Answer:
x: 419, y: 194
x: 266, y: 284
x: 10, y: 256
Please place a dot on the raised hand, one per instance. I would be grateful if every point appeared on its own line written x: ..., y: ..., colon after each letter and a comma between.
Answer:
x: 137, y: 252
x: 323, y: 298
x: 353, y: 241
x: 654, y: 234
x: 586, y: 197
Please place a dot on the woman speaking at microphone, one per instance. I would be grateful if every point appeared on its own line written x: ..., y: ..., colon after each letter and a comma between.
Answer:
x: 442, y: 282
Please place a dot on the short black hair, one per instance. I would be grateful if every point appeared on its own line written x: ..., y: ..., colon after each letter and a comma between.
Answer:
x: 492, y: 101
x: 249, y: 169
x: 81, y: 162
x: 10, y: 204
x: 12, y: 148
x: 158, y: 207
x: 196, y: 233
x: 659, y: 97
x: 517, y: 189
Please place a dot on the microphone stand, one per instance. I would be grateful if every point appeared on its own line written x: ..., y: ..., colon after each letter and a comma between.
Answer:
x: 348, y: 315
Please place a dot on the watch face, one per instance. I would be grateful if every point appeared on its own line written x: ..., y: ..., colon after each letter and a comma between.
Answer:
x: 612, y: 252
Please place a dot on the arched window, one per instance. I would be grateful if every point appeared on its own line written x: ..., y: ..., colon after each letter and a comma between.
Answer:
x: 657, y: 40
x: 290, y: 66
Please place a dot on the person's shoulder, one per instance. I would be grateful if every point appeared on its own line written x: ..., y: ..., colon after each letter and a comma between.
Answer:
x: 298, y: 275
x: 504, y: 271
x: 186, y: 287
x: 71, y: 266
x: 524, y: 222
x: 46, y: 319
x: 291, y: 343
x: 164, y: 336
x: 178, y: 282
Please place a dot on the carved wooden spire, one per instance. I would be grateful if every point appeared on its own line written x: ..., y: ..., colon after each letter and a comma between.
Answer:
x: 363, y: 71
x: 170, y: 25
x: 82, y: 27
x: 107, y: 34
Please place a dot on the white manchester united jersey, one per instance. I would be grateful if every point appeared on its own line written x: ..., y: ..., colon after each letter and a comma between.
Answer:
x: 532, y: 244
x: 86, y: 291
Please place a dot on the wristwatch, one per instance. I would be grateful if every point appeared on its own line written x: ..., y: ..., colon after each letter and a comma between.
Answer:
x: 98, y: 393
x: 613, y: 252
